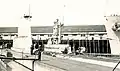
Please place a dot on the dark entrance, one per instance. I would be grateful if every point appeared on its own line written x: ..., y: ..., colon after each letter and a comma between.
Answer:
x: 92, y: 46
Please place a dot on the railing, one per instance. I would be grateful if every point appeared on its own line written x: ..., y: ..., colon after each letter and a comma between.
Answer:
x: 20, y: 56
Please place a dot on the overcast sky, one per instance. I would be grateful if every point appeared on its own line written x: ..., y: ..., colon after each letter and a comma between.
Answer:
x: 44, y: 12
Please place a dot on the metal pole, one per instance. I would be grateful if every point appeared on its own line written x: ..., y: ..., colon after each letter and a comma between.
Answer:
x: 68, y: 41
x: 116, y: 66
x: 93, y: 46
x: 79, y: 42
x: 22, y: 53
x: 86, y: 42
x: 38, y: 40
x: 33, y: 65
x: 59, y: 38
x: 90, y: 45
x: 98, y: 47
x: 103, y: 46
x: 73, y: 47
x: 107, y: 45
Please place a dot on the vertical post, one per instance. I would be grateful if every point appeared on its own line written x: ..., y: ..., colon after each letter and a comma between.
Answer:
x: 86, y: 42
x: 2, y: 43
x: 79, y: 42
x: 90, y: 46
x: 9, y: 46
x: 22, y: 53
x: 116, y: 66
x: 98, y: 46
x: 68, y: 41
x: 79, y: 47
x: 59, y: 38
x: 103, y: 46
x: 39, y: 51
x: 33, y: 65
x: 60, y: 28
x: 107, y: 45
x: 93, y: 44
x: 39, y: 55
x: 73, y: 47
x: 38, y: 39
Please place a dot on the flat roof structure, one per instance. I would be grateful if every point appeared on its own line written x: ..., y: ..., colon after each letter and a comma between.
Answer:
x: 49, y: 29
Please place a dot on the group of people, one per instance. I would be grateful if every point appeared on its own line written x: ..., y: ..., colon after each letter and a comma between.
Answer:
x: 36, y: 49
x: 79, y: 50
x: 70, y: 50
x: 6, y: 45
x: 116, y: 27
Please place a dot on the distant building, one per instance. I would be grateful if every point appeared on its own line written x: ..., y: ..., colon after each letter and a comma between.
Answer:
x: 92, y: 37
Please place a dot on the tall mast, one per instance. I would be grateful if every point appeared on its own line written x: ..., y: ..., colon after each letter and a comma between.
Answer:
x: 29, y: 9
x: 28, y: 17
x: 60, y: 26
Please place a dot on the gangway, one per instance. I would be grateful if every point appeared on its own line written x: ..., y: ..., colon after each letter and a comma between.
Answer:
x: 32, y: 58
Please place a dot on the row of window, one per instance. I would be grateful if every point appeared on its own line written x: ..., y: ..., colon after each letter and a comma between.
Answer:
x: 8, y: 35
x: 64, y: 35
x: 83, y: 34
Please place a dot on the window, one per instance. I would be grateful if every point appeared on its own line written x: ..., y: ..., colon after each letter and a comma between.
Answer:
x: 5, y: 35
x: 91, y: 34
x: 49, y: 35
x: 82, y: 35
x: 65, y: 34
x: 74, y: 34
x: 33, y: 35
x: 12, y: 35
x: 41, y: 34
x: 101, y: 34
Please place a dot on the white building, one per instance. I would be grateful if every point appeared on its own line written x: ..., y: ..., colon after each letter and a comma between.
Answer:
x: 92, y: 37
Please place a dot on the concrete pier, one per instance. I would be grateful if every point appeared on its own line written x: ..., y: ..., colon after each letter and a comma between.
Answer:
x: 63, y: 63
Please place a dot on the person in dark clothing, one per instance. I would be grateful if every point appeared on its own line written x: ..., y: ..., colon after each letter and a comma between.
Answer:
x: 65, y: 51
x: 116, y: 25
x: 36, y: 46
x: 32, y: 48
x: 39, y: 53
x: 9, y: 45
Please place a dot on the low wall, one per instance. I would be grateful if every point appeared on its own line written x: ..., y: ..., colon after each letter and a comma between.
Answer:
x: 58, y: 48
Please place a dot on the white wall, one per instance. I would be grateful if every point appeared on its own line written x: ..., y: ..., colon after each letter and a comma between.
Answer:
x: 114, y: 43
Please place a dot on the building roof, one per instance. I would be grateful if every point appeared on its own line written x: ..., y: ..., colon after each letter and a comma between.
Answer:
x: 8, y: 29
x: 84, y: 28
x: 42, y: 29
x: 49, y: 29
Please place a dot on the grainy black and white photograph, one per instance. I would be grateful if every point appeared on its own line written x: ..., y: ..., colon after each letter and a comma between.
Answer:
x: 59, y: 35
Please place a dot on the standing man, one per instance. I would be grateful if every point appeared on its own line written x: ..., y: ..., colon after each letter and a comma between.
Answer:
x: 32, y: 48
x: 39, y: 52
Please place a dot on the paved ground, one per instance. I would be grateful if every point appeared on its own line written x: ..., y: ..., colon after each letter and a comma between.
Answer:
x: 100, y: 58
x: 71, y: 65
x: 2, y: 68
x: 60, y: 64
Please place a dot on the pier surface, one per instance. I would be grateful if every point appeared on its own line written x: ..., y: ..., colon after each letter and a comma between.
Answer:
x: 64, y: 63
